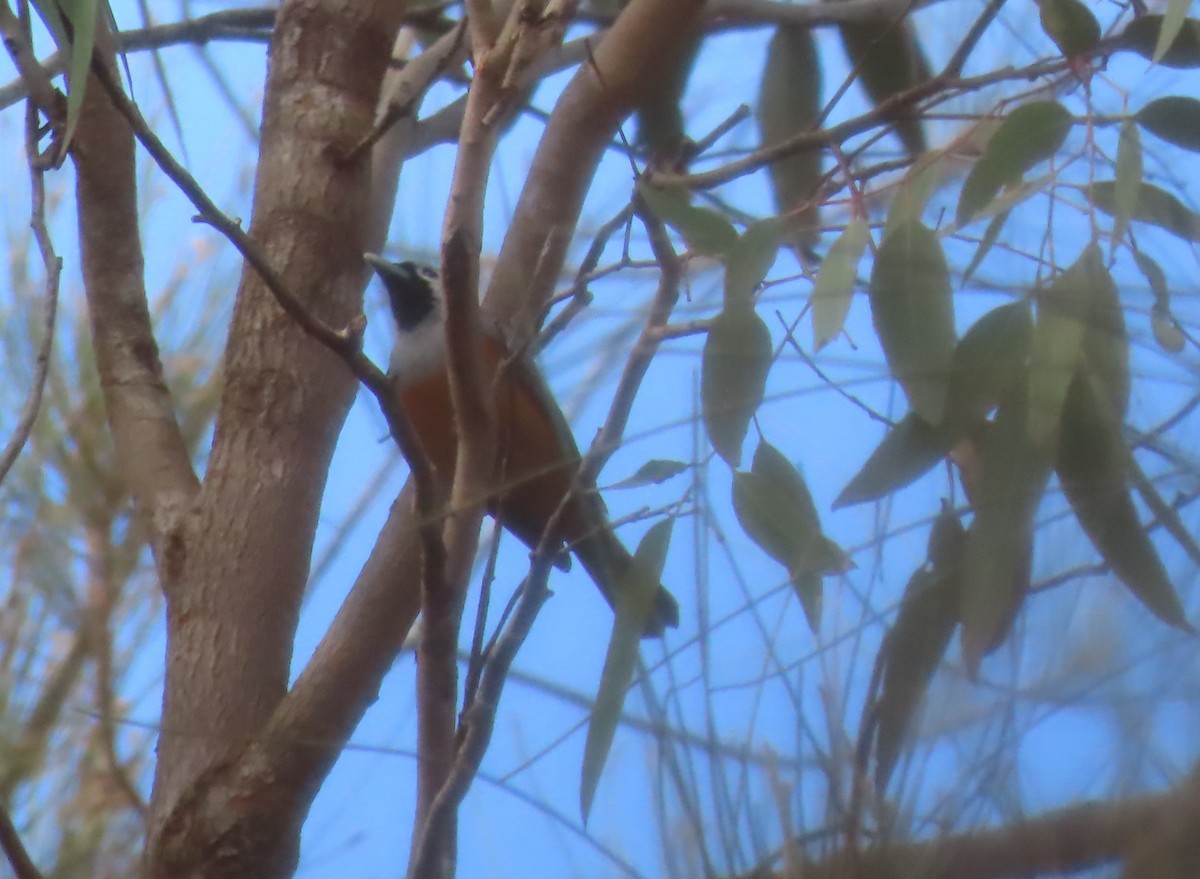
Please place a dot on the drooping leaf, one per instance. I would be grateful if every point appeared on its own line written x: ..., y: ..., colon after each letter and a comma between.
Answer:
x: 1129, y: 179
x: 990, y: 234
x: 1175, y: 119
x: 1064, y: 309
x: 1143, y: 33
x: 1106, y: 342
x: 1091, y: 467
x: 1153, y: 206
x: 1030, y: 134
x: 704, y: 230
x: 1013, y: 475
x: 733, y: 377
x: 82, y: 16
x: 774, y: 507
x: 913, y: 312
x: 750, y: 258
x: 889, y: 60
x: 915, y: 190
x: 789, y: 103
x: 918, y: 639
x: 834, y: 288
x: 635, y: 601
x: 1172, y: 24
x: 1155, y: 277
x: 654, y: 471
x: 989, y: 360
x: 1071, y: 25
x: 75, y: 44
x: 908, y: 452
x: 660, y: 127
x: 1166, y: 330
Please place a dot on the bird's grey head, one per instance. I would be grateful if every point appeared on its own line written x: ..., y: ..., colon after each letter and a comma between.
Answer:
x: 414, y: 290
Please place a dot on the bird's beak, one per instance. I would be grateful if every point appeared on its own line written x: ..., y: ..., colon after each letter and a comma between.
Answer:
x: 384, y: 268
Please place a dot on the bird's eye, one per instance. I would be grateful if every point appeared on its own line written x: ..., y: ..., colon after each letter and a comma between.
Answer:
x: 428, y: 273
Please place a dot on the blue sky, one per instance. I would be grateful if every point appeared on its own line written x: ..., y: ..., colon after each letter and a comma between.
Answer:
x: 1055, y: 724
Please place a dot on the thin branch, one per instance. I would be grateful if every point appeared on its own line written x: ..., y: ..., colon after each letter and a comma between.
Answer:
x: 979, y: 27
x: 838, y: 134
x: 53, y: 265
x: 14, y: 849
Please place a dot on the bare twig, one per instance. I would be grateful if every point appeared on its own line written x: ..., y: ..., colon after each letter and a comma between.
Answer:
x: 53, y: 265
x: 14, y: 849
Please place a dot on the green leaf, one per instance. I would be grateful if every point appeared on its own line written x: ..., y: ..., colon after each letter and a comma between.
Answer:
x: 733, y: 377
x: 1166, y: 329
x: 836, y: 280
x: 1175, y: 119
x: 1167, y: 332
x: 1142, y: 36
x: 889, y: 60
x: 1129, y: 178
x: 654, y: 471
x: 908, y: 452
x: 989, y: 360
x: 660, y: 126
x: 1091, y: 467
x: 789, y: 103
x: 82, y: 16
x: 915, y: 190
x: 750, y: 258
x: 635, y: 601
x: 917, y: 640
x: 1106, y: 342
x: 1071, y: 25
x: 1153, y: 206
x: 776, y: 510
x: 913, y: 312
x: 1030, y: 134
x: 990, y: 234
x: 1064, y: 309
x: 1172, y: 24
x: 1013, y: 475
x: 704, y: 230
x: 1155, y: 277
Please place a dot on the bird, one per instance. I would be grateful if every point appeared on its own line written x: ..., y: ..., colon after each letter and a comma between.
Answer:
x: 537, y: 456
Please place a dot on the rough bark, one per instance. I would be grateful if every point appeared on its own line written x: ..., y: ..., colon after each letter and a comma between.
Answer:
x: 243, y: 559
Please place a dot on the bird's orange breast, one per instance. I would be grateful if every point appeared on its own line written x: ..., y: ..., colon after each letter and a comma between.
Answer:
x: 536, y: 459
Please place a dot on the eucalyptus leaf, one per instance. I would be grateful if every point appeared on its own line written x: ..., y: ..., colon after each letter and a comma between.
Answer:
x: 733, y: 378
x: 907, y: 452
x: 749, y: 260
x: 1013, y: 476
x: 833, y: 290
x: 1030, y: 134
x: 1175, y: 119
x: 1143, y: 33
x: 789, y: 103
x: 1129, y: 178
x: 889, y: 60
x: 1071, y: 25
x: 917, y: 640
x: 654, y: 471
x: 1153, y: 206
x: 989, y: 360
x: 912, y: 309
x: 1172, y: 24
x: 1091, y: 468
x: 635, y: 601
x: 1064, y: 310
x: 705, y: 231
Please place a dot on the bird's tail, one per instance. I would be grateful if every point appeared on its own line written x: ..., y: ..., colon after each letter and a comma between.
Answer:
x: 607, y: 560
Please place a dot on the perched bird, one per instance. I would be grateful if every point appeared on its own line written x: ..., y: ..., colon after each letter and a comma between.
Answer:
x: 537, y: 455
